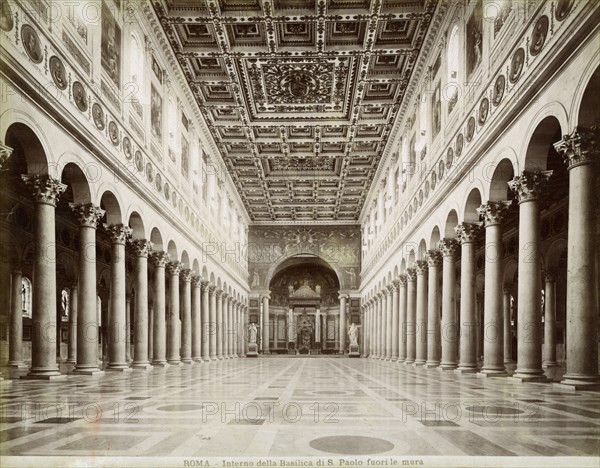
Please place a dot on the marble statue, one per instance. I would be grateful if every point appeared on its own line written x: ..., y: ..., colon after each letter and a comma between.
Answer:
x: 353, y: 335
x: 255, y: 280
x: 252, y: 333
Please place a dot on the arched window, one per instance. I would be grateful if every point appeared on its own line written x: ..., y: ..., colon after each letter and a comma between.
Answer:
x: 26, y: 297
x: 136, y: 72
x: 453, y: 60
x: 65, y: 304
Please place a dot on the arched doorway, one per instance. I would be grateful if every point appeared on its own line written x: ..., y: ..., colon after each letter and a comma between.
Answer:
x: 304, y: 310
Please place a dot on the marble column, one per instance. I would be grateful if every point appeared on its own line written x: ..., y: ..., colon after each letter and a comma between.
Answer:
x: 15, y: 345
x: 389, y: 292
x: 421, y: 325
x: 212, y: 319
x: 367, y: 330
x: 265, y: 330
x: 580, y: 150
x: 434, y: 262
x: 411, y: 315
x: 342, y: 324
x: 72, y: 351
x: 219, y: 328
x: 46, y: 191
x: 236, y: 329
x: 128, y: 327
x: 449, y: 331
x: 119, y: 235
x: 528, y: 188
x: 395, y: 320
x: 245, y: 324
x: 196, y: 319
x: 467, y: 233
x: 401, y: 331
x: 141, y: 249
x: 381, y: 308
x: 227, y: 328
x: 87, y: 215
x: 186, y: 316
x: 173, y: 326
x: 493, y: 214
x: 550, y: 319
x: 151, y: 329
x: 159, y: 342
x: 206, y: 324
x: 506, y: 310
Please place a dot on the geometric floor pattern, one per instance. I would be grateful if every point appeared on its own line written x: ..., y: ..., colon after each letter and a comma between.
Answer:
x: 325, y: 409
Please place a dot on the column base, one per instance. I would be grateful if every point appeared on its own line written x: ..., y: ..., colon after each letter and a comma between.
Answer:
x: 18, y: 365
x: 205, y: 359
x: 214, y: 358
x: 91, y: 371
x: 188, y: 361
x: 44, y: 375
x: 175, y: 363
x: 118, y: 368
x: 465, y: 370
x: 409, y: 362
x: 197, y: 359
x: 492, y: 373
x: 549, y: 364
x: 574, y: 382
x: 446, y: 367
x: 142, y: 366
x: 419, y: 363
x: 432, y: 364
x: 71, y: 361
x: 529, y: 377
x: 401, y: 360
x: 161, y: 364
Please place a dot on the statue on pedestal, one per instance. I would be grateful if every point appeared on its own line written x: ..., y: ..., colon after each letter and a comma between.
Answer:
x: 252, y: 346
x: 353, y: 335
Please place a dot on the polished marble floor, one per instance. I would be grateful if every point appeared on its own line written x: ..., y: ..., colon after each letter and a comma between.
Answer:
x: 274, y: 407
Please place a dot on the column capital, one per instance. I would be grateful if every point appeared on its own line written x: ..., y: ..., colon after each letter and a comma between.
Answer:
x: 506, y: 287
x: 204, y: 285
x: 411, y: 274
x: 396, y: 284
x: 197, y: 281
x: 5, y: 152
x: 140, y: 247
x: 87, y: 214
x: 266, y: 296
x: 229, y: 298
x: 467, y: 232
x: 45, y: 189
x: 529, y: 185
x: 186, y: 275
x: 434, y: 258
x: 218, y: 293
x: 174, y: 268
x: 119, y: 233
x: 493, y: 213
x: 212, y: 289
x: 448, y: 246
x: 402, y: 279
x: 160, y: 258
x: 390, y: 288
x: 581, y: 147
x: 421, y: 267
x: 550, y: 275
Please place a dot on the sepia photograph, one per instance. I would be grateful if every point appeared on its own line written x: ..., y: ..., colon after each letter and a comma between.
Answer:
x: 300, y: 233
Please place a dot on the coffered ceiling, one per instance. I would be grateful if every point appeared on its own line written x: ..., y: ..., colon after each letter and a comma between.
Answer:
x: 300, y: 95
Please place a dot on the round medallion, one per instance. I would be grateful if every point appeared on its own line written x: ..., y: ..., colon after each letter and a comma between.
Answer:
x: 441, y: 170
x: 158, y: 181
x: 98, y: 115
x: 460, y: 142
x: 58, y: 72
x: 470, y: 128
x: 149, y: 172
x: 563, y: 8
x: 538, y: 38
x: 484, y: 108
x: 79, y: 96
x: 516, y: 65
x: 449, y: 157
x: 167, y: 190
x: 139, y: 161
x: 113, y: 133
x: 499, y: 87
x: 6, y: 19
x: 127, y: 147
x: 31, y: 43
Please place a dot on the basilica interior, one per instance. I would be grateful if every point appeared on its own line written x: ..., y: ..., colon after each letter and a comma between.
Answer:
x: 300, y: 232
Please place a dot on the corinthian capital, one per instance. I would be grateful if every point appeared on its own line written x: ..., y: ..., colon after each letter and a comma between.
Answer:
x: 197, y: 281
x: 140, y: 247
x: 119, y: 233
x: 411, y: 274
x: 492, y: 213
x: 174, y: 268
x: 160, y: 259
x: 448, y: 247
x: 87, y: 214
x: 186, y: 275
x: 467, y: 232
x: 580, y: 147
x: 421, y: 267
x: 45, y: 189
x: 434, y: 258
x: 5, y: 152
x: 530, y: 185
x: 402, y: 280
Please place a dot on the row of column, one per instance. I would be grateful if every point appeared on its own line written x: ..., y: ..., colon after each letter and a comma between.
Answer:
x: 203, y: 323
x: 403, y: 321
